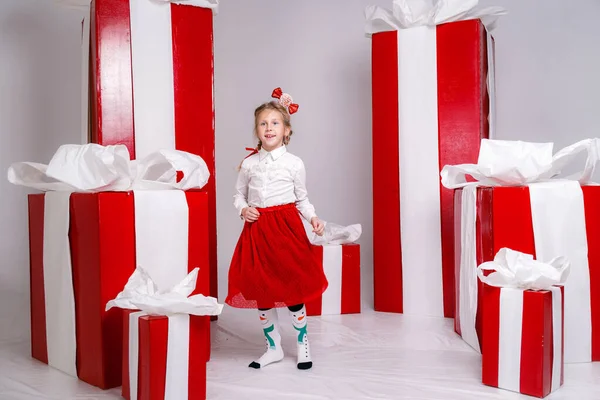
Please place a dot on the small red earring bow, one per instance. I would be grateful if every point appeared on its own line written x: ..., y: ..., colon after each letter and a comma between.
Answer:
x: 285, y: 100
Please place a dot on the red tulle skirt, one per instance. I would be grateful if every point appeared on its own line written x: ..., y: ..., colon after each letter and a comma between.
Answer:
x: 274, y: 264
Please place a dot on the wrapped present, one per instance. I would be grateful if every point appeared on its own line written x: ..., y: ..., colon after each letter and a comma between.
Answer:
x: 523, y: 328
x: 164, y: 338
x: 148, y: 82
x: 341, y: 264
x: 83, y: 246
x: 522, y: 208
x: 433, y: 95
x: 340, y: 258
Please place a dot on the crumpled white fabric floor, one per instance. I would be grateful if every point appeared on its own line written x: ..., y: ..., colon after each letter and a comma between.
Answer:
x: 366, y: 356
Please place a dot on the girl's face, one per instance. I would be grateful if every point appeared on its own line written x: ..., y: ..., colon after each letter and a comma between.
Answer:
x: 271, y: 129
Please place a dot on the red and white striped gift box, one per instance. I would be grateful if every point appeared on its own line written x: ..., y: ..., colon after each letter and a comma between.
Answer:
x: 341, y: 264
x: 151, y: 72
x: 84, y: 247
x: 432, y: 95
x: 164, y: 357
x: 546, y: 220
x: 523, y: 348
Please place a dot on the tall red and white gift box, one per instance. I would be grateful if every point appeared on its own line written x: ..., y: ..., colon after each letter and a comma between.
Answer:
x: 84, y: 246
x: 515, y: 204
x: 341, y: 264
x: 148, y: 83
x: 433, y: 92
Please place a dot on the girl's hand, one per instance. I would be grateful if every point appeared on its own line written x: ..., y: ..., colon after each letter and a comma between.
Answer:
x: 250, y: 214
x: 318, y: 225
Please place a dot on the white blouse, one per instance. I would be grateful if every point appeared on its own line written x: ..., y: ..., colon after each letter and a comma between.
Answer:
x: 273, y: 178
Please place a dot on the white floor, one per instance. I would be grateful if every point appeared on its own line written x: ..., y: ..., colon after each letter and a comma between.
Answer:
x: 366, y: 356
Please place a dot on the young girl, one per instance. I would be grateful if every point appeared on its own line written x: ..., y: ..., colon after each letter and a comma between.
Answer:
x: 273, y: 264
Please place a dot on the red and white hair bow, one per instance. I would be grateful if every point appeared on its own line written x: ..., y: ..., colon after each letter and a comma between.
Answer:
x: 285, y: 100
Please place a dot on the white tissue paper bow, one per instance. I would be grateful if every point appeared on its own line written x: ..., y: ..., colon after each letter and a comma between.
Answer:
x: 334, y: 234
x: 518, y: 270
x: 515, y: 163
x: 94, y: 168
x: 140, y: 293
x: 411, y: 13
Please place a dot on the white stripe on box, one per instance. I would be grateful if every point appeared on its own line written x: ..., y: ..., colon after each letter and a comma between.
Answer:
x: 152, y: 70
x: 59, y: 297
x: 558, y: 217
x: 161, y: 235
x: 134, y: 351
x: 331, y: 302
x: 420, y: 224
x: 509, y: 339
x: 178, y: 353
x: 557, y: 330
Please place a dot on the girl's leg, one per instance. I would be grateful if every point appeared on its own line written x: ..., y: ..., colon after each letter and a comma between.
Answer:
x: 298, y: 313
x: 270, y: 325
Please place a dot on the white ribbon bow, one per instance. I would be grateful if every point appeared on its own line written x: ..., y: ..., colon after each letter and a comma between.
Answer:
x: 141, y: 293
x: 94, y: 168
x: 335, y: 234
x: 516, y: 163
x: 411, y: 13
x: 518, y: 270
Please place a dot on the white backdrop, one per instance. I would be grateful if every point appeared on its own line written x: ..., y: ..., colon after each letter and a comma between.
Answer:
x: 316, y: 50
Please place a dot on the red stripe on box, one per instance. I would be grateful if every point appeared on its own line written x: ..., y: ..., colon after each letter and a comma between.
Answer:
x: 102, y: 238
x: 591, y: 199
x: 199, y: 331
x: 387, y: 253
x: 512, y: 226
x: 198, y: 249
x: 462, y: 118
x: 111, y: 87
x: 39, y: 345
x: 536, y: 344
x: 192, y: 35
x: 491, y: 330
x: 350, y: 279
x: 562, y: 329
x: 315, y: 306
x: 154, y: 332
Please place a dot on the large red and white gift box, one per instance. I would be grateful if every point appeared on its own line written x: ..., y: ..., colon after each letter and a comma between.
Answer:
x: 164, y: 357
x: 433, y: 93
x: 520, y: 208
x: 84, y: 246
x: 523, y: 349
x: 341, y: 264
x: 148, y: 83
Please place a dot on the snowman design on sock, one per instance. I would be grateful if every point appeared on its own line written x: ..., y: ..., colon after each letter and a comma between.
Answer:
x: 274, y: 353
x: 299, y: 322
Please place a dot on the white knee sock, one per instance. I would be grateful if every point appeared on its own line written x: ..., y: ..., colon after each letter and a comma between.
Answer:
x: 299, y: 322
x: 270, y: 325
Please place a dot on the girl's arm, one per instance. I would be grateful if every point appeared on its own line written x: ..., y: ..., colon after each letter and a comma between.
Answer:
x: 302, y: 203
x: 240, y: 198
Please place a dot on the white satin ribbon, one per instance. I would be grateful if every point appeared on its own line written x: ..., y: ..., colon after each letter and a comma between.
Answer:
x: 331, y: 302
x: 58, y: 284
